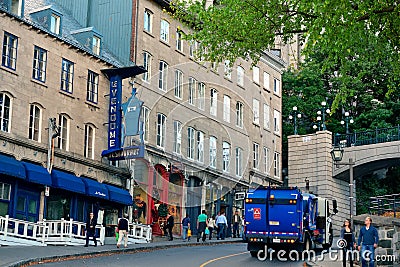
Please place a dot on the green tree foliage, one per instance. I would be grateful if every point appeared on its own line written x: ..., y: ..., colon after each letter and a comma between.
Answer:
x: 342, y: 31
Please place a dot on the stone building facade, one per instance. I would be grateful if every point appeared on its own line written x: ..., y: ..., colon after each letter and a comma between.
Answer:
x: 48, y: 75
x: 210, y: 130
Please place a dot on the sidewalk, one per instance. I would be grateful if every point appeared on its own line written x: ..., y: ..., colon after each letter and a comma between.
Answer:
x: 13, y: 256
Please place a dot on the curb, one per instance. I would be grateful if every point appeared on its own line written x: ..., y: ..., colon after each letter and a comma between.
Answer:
x: 39, y: 260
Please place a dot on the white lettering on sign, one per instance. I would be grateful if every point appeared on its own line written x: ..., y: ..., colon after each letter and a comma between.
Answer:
x: 306, y: 139
x: 100, y: 194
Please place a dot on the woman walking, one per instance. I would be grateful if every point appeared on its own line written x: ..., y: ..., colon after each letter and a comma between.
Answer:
x: 211, y: 226
x: 350, y: 242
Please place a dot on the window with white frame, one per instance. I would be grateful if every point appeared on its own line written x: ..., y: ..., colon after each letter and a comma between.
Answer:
x: 192, y: 90
x: 191, y: 143
x: 200, y: 147
x: 213, y: 152
x: 39, y: 64
x: 161, y: 130
x: 177, y: 137
x: 145, y: 122
x: 256, y: 111
x: 266, y: 116
x: 240, y: 76
x: 5, y: 191
x: 147, y: 66
x: 266, y: 160
x: 162, y: 79
x: 63, y: 137
x: 277, y: 86
x: 213, y: 101
x: 238, y: 161
x: 201, y: 95
x: 226, y: 150
x: 16, y: 7
x: 164, y: 32
x: 227, y: 109
x: 67, y: 76
x: 256, y: 155
x: 35, y: 122
x: 227, y: 69
x: 96, y: 45
x: 178, y: 83
x: 148, y: 21
x: 256, y: 75
x: 179, y: 40
x: 55, y: 21
x: 5, y: 112
x: 266, y: 81
x: 92, y: 87
x: 239, y: 114
x: 194, y: 45
x: 89, y: 141
x: 276, y: 164
x: 9, y: 55
x: 277, y: 121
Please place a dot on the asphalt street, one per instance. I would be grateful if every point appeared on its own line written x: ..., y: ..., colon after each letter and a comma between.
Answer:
x: 232, y: 255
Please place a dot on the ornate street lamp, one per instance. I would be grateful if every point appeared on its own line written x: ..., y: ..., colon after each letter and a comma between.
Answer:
x: 337, y: 155
x: 294, y: 117
x: 347, y: 120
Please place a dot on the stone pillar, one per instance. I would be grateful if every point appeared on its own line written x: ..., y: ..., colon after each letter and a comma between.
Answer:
x: 309, y: 158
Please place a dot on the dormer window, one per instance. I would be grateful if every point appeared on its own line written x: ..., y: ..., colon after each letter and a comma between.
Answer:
x: 55, y: 23
x: 14, y: 6
x: 90, y: 38
x: 49, y: 18
x: 96, y: 45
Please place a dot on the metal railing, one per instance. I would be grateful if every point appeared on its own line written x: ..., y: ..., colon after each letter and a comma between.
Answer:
x: 23, y: 230
x: 379, y: 135
x: 139, y: 233
x: 386, y: 205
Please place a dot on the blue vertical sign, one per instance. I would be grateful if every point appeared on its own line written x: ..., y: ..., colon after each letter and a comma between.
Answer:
x: 114, y: 116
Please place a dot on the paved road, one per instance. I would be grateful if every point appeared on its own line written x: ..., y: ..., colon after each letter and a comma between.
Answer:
x: 232, y: 255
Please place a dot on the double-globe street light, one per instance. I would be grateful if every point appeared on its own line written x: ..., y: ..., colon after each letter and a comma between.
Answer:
x: 321, y: 120
x: 337, y: 155
x: 294, y: 117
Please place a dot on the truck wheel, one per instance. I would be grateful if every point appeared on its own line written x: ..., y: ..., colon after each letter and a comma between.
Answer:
x: 253, y: 253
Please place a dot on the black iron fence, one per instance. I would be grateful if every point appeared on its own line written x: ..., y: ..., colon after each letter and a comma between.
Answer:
x: 387, y: 205
x: 376, y: 136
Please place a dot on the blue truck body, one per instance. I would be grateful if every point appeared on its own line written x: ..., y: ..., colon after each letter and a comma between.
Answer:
x: 286, y: 218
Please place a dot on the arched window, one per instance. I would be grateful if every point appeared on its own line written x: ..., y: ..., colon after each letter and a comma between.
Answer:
x: 5, y: 112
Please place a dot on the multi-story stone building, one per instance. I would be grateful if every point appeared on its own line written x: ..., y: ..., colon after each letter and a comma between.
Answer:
x: 54, y: 106
x: 210, y: 130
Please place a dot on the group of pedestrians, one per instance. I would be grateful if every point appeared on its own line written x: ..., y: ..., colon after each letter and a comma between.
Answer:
x: 368, y: 239
x: 206, y: 226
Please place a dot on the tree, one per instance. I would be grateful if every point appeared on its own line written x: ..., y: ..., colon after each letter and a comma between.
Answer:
x: 342, y: 31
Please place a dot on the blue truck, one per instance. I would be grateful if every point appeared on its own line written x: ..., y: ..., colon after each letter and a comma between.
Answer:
x: 284, y: 218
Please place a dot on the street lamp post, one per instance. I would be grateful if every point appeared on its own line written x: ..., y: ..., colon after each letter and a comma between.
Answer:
x: 346, y: 121
x: 294, y: 117
x: 337, y: 155
x: 324, y: 110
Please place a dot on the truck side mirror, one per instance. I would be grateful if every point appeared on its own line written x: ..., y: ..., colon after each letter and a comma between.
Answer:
x: 334, y: 203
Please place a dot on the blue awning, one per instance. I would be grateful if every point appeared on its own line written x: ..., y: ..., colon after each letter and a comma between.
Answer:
x: 67, y: 181
x: 119, y: 195
x: 12, y: 167
x: 37, y: 174
x: 95, y: 189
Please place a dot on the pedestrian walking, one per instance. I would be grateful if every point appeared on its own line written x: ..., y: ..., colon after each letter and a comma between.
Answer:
x: 201, y: 226
x: 211, y: 226
x: 91, y: 229
x: 235, y: 223
x: 222, y: 224
x: 347, y: 234
x: 123, y: 227
x: 367, y: 242
x: 185, y: 227
x: 169, y: 226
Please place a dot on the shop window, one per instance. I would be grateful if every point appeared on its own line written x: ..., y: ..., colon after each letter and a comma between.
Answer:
x: 5, y: 190
x: 58, y: 206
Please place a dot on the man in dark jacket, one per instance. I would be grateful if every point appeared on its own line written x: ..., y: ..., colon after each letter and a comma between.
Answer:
x: 368, y: 240
x: 91, y: 229
x: 169, y: 226
x: 123, y: 227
